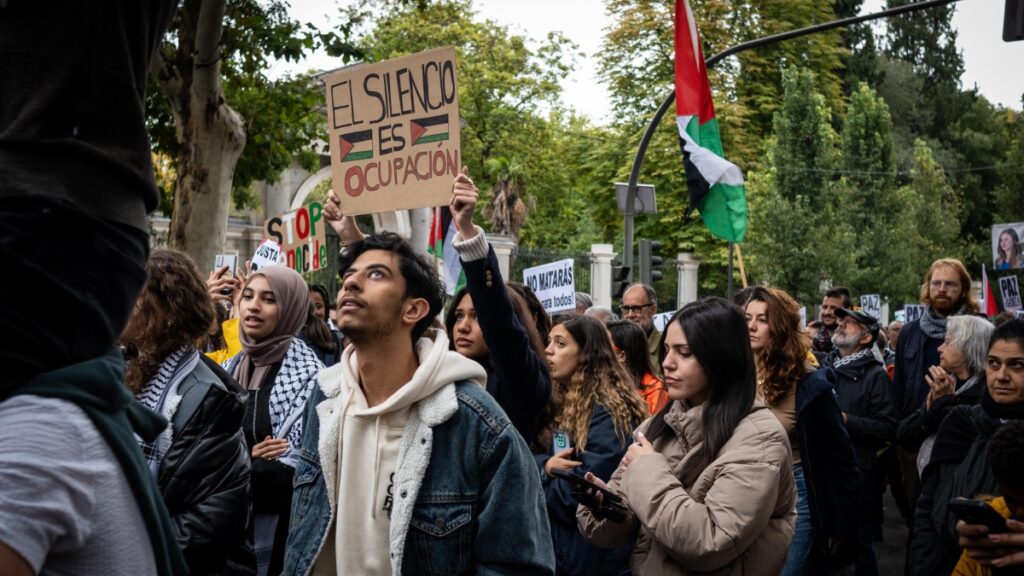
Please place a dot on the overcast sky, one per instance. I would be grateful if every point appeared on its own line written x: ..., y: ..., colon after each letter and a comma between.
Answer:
x: 994, y: 66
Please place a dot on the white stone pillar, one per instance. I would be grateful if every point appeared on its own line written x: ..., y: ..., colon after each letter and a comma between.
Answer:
x: 504, y: 245
x: 601, y: 256
x: 686, y: 265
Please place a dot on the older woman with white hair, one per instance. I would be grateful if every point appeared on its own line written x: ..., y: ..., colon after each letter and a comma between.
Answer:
x: 958, y: 379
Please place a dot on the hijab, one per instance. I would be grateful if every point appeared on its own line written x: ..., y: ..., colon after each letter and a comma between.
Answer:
x: 292, y: 297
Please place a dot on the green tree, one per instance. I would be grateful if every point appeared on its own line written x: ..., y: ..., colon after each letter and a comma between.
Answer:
x: 927, y: 40
x: 934, y: 211
x: 217, y: 115
x: 879, y: 217
x: 860, y: 63
x: 1008, y: 197
x: 797, y: 240
x: 759, y: 84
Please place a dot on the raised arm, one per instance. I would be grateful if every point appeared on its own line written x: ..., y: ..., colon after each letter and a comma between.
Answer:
x: 523, y: 381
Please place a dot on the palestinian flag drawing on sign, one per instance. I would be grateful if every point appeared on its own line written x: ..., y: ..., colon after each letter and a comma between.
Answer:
x: 715, y: 184
x: 426, y: 130
x: 356, y: 145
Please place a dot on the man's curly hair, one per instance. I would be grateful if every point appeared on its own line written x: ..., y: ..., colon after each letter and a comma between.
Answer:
x: 173, y: 310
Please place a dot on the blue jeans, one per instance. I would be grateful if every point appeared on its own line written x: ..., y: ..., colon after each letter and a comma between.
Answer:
x: 803, y: 538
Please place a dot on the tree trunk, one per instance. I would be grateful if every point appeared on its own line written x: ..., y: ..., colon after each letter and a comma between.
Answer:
x: 209, y: 133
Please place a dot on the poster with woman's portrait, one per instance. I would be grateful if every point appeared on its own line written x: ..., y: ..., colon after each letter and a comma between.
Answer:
x: 1007, y: 246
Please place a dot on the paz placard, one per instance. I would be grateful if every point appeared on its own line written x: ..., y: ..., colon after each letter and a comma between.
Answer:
x: 394, y: 132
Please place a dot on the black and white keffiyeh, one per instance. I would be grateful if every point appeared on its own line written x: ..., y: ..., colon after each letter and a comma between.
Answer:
x: 160, y: 394
x: 844, y: 360
x: 294, y: 382
x: 291, y: 389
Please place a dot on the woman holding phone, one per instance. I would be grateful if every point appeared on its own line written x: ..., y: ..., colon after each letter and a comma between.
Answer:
x: 279, y: 371
x: 599, y: 408
x: 708, y: 483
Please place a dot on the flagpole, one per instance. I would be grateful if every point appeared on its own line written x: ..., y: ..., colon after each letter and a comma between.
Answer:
x: 645, y: 140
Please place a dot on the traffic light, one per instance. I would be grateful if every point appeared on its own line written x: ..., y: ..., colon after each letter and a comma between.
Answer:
x: 620, y: 281
x: 650, y: 262
x: 1013, y: 21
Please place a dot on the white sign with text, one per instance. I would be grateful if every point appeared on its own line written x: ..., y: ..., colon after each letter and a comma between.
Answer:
x: 553, y: 284
x: 661, y: 320
x: 912, y: 312
x: 871, y: 304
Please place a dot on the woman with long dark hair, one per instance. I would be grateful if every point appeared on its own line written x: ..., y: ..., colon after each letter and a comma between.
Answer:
x: 492, y: 325
x: 599, y: 408
x: 279, y: 370
x: 631, y: 349
x: 200, y: 462
x: 708, y: 482
x: 802, y: 398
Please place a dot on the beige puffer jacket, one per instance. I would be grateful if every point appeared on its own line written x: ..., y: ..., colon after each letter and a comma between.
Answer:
x: 734, y: 517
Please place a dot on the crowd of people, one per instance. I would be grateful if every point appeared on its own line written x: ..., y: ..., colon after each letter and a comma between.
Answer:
x: 156, y: 422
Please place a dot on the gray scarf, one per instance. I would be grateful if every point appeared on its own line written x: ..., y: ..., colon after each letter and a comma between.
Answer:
x: 933, y: 326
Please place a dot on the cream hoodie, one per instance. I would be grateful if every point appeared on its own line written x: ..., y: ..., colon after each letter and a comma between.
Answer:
x: 368, y: 441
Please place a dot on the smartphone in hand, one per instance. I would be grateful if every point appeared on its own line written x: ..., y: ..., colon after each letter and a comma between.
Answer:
x: 978, y: 512
x: 229, y: 260
x: 611, y: 506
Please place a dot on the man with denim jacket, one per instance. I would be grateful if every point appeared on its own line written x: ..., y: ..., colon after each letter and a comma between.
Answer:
x: 407, y: 464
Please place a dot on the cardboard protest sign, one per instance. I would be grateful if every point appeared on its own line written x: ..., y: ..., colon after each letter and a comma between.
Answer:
x: 394, y: 132
x: 912, y: 312
x: 871, y: 304
x: 267, y: 253
x: 302, y: 237
x: 1010, y: 290
x: 554, y: 285
x: 661, y: 320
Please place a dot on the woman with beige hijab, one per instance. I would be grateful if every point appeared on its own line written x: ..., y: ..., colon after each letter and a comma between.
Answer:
x: 279, y: 370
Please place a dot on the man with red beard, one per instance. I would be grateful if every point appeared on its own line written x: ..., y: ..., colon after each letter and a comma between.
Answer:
x: 946, y: 292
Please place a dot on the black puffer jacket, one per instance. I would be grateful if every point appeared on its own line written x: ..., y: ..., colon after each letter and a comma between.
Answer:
x: 204, y: 477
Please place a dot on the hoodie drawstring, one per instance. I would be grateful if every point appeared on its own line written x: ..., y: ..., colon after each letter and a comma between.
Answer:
x: 376, y: 467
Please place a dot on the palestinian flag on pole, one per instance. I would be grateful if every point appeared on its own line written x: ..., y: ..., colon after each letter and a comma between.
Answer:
x: 715, y: 185
x: 442, y: 233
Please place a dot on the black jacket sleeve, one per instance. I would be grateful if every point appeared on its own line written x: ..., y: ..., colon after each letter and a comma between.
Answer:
x: 522, y: 384
x: 930, y: 552
x: 831, y: 465
x: 923, y: 422
x: 601, y: 456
